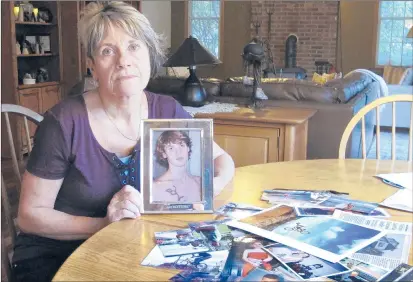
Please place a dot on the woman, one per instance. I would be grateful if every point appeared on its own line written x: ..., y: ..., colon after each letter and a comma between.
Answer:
x: 177, y: 184
x: 83, y: 173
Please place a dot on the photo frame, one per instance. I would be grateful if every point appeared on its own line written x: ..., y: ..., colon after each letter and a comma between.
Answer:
x: 44, y: 41
x: 31, y: 41
x: 177, y: 165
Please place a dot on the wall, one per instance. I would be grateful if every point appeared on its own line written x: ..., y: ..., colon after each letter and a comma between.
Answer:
x: 314, y: 23
x: 359, y: 33
x: 159, y: 15
x: 236, y: 34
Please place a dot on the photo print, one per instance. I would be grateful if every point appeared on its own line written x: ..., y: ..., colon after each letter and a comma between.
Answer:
x: 325, y: 237
x: 177, y: 166
x: 303, y: 264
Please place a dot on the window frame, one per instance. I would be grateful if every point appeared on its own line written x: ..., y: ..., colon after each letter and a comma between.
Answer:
x: 377, y: 41
x: 188, y: 14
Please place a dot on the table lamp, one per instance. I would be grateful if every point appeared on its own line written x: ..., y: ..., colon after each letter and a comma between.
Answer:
x: 410, y: 34
x: 191, y: 54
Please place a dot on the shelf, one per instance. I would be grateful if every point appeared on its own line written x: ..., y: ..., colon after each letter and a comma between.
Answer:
x: 37, y: 55
x: 35, y: 23
x: 42, y: 84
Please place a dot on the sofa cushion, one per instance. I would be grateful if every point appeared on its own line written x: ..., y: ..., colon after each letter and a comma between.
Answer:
x: 393, y: 75
x: 282, y: 89
x: 175, y: 85
x: 349, y: 86
x: 407, y: 77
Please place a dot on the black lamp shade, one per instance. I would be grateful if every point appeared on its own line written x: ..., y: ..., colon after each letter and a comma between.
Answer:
x: 191, y: 53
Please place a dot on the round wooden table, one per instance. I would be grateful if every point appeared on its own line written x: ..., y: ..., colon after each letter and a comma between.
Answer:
x: 115, y: 252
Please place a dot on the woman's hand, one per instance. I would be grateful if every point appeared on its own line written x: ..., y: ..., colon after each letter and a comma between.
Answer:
x: 127, y: 203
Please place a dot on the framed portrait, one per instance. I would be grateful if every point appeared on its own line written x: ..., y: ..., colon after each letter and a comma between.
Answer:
x: 177, y: 165
x: 44, y: 41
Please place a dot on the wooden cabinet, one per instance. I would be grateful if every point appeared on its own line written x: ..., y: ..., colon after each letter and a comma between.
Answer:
x: 39, y: 55
x: 262, y: 135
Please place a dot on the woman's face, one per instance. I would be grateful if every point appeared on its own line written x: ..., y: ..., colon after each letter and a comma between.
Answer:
x: 121, y: 63
x: 176, y: 153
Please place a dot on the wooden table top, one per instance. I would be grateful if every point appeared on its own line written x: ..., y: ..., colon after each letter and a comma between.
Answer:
x: 115, y: 252
x: 264, y: 115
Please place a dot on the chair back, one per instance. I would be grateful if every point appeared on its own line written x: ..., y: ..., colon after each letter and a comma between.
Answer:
x: 24, y: 115
x: 360, y: 116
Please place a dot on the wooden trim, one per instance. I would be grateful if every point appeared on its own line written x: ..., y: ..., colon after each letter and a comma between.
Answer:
x: 375, y: 31
x: 35, y: 23
x: 221, y: 31
x: 186, y: 20
x: 37, y: 55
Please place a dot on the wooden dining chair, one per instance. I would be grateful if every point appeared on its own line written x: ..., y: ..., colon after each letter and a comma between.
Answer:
x: 360, y: 116
x: 9, y: 214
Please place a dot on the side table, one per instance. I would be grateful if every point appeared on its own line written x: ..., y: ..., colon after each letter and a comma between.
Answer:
x: 257, y: 136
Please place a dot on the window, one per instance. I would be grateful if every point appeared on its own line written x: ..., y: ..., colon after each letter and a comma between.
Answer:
x: 395, y: 21
x: 204, y: 23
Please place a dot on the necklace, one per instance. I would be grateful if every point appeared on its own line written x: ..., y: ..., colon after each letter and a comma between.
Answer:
x: 113, y: 122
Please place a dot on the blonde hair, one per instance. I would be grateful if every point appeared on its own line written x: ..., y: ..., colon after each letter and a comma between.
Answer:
x: 96, y: 19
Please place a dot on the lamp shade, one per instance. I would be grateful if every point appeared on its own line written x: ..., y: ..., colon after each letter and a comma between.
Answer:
x: 410, y: 34
x: 191, y: 53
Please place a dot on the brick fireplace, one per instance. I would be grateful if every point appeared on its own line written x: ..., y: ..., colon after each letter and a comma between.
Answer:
x: 313, y: 22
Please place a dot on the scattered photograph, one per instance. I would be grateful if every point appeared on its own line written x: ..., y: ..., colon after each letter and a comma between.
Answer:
x: 406, y: 277
x: 350, y: 276
x: 373, y: 271
x: 314, y: 211
x: 379, y: 212
x: 295, y: 197
x: 216, y: 234
x: 180, y: 242
x: 261, y: 275
x: 247, y: 254
x: 325, y: 237
x: 189, y: 276
x: 212, y: 263
x: 397, y: 273
x: 236, y: 210
x: 387, y: 252
x: 346, y: 204
x: 303, y: 264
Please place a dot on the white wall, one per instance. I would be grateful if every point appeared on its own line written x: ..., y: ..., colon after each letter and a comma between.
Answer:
x: 159, y: 15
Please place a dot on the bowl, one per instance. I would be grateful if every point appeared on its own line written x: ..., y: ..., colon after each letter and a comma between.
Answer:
x: 29, y: 81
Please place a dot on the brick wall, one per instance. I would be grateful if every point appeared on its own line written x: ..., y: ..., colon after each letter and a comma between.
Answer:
x: 314, y: 23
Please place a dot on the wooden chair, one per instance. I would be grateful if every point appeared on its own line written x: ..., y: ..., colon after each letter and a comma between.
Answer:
x: 360, y: 116
x: 26, y: 115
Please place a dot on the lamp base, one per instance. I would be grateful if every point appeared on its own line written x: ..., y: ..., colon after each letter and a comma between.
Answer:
x: 194, y: 93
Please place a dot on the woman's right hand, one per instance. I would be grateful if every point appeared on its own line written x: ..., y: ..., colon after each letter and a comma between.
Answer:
x: 127, y: 203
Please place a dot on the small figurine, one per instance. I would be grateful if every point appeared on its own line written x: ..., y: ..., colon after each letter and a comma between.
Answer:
x: 18, y: 48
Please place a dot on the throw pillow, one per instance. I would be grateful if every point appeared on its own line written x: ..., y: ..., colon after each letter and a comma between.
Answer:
x: 322, y: 79
x: 393, y: 75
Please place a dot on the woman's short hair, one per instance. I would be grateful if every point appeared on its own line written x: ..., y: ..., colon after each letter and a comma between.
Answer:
x: 97, y: 17
x: 170, y: 137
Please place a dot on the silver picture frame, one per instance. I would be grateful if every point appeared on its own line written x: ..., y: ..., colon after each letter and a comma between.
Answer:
x: 177, y: 166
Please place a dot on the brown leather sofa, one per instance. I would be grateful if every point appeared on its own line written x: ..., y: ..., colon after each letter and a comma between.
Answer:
x: 336, y: 103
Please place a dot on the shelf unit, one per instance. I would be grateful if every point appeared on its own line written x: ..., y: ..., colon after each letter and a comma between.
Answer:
x: 45, y: 93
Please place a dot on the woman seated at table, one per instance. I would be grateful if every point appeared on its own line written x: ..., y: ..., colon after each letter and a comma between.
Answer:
x: 83, y: 173
x: 177, y: 184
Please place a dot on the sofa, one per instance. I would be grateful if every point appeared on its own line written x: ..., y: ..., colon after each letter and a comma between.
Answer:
x: 336, y: 103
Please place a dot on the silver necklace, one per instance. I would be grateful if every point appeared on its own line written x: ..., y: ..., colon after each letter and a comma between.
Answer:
x: 113, y: 122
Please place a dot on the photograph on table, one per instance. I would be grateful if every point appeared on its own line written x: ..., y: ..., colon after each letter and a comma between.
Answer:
x: 303, y: 264
x: 397, y: 273
x: 177, y: 166
x: 180, y: 242
x: 372, y: 270
x: 324, y: 237
x: 217, y: 234
x: 211, y: 262
x: 314, y: 211
x: 298, y: 198
x: 247, y: 254
x: 350, y: 205
x: 236, y: 210
x: 198, y: 276
x: 355, y: 275
x: 387, y: 252
x: 277, y: 275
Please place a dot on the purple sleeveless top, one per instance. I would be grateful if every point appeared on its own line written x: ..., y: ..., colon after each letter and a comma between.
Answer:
x: 65, y: 147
